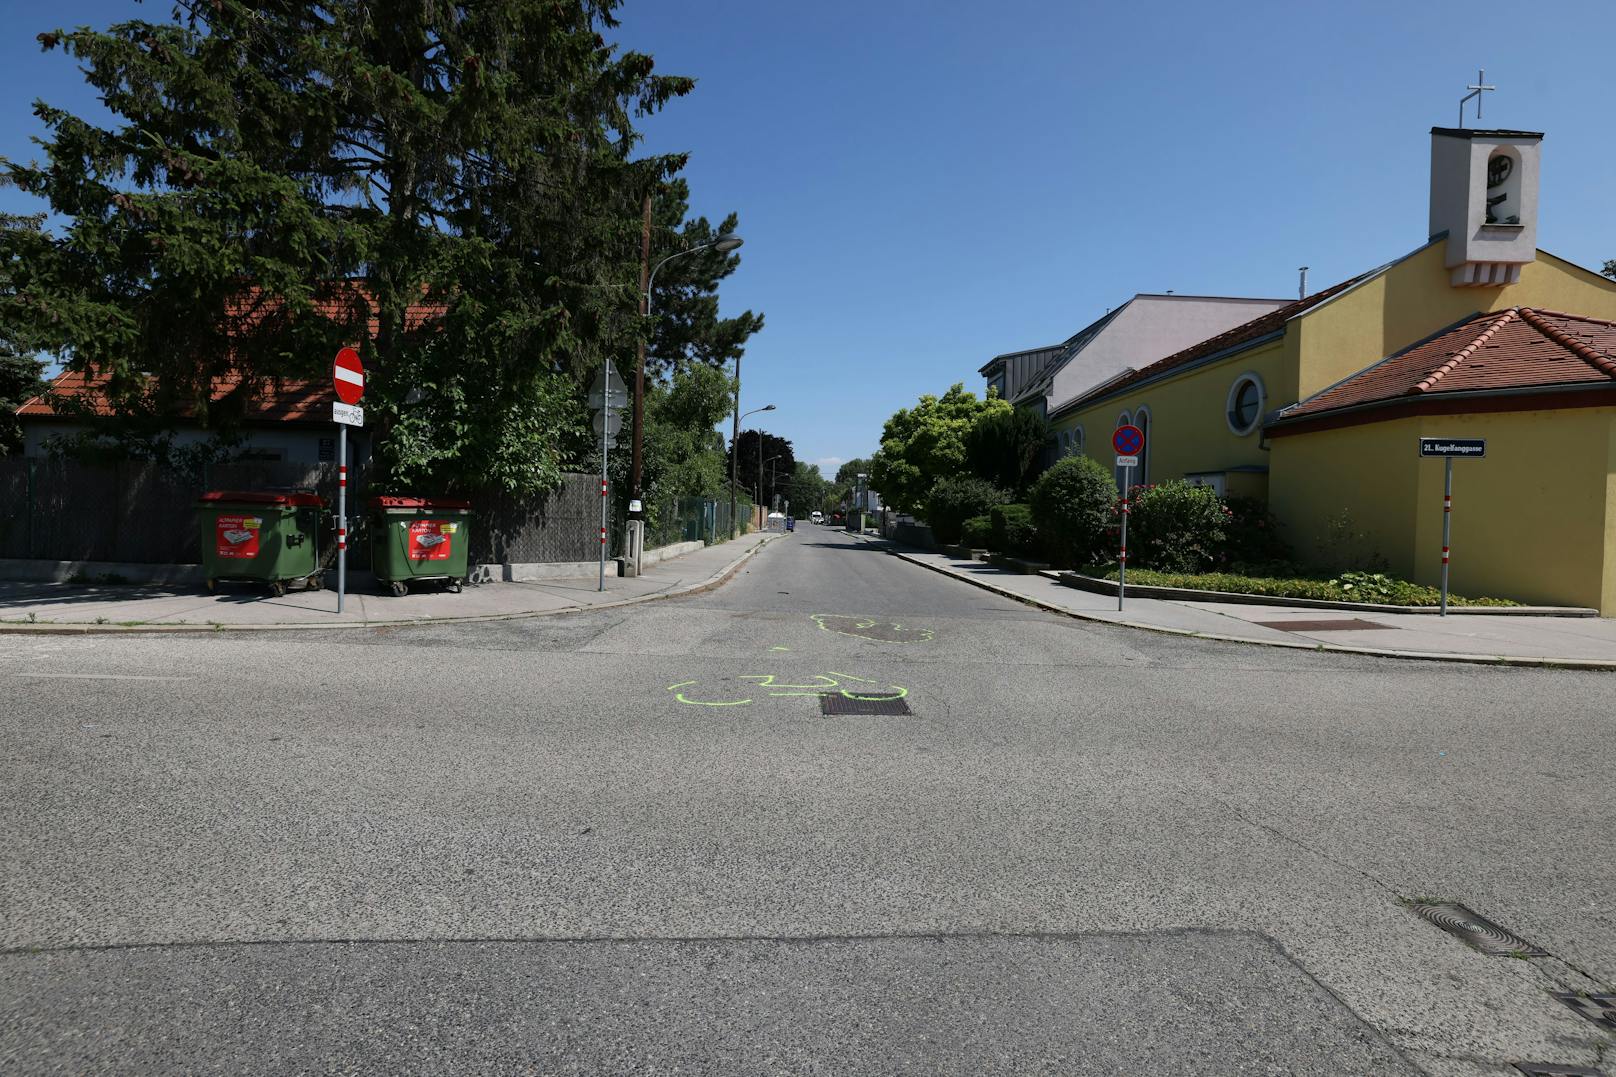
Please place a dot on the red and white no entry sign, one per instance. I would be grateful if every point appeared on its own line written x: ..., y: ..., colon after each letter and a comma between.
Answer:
x: 348, y: 375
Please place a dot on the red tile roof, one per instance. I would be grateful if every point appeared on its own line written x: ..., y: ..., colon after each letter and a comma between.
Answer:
x: 1499, y: 351
x: 1257, y: 328
x: 263, y: 400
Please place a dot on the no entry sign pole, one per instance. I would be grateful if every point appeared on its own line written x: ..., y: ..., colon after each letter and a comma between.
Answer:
x: 348, y: 378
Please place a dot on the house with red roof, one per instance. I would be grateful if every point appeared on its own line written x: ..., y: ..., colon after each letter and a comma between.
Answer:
x: 1318, y: 406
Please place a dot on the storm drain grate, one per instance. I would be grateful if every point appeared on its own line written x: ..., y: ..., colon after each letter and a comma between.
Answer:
x: 841, y: 703
x: 1600, y: 1009
x: 1475, y: 930
x: 1344, y: 624
x: 1555, y: 1069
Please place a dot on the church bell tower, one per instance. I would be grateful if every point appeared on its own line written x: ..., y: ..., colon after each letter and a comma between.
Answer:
x: 1484, y: 196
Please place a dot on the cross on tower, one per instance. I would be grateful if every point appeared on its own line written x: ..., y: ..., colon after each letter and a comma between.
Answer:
x: 1475, y: 91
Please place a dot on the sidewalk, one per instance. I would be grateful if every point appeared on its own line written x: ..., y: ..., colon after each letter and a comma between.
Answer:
x: 62, y: 607
x: 1578, y: 642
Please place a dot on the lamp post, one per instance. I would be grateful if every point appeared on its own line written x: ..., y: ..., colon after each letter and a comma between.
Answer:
x: 761, y: 462
x: 723, y: 245
x: 735, y: 451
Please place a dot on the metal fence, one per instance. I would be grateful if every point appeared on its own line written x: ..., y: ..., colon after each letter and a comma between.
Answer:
x: 691, y: 519
x: 138, y: 511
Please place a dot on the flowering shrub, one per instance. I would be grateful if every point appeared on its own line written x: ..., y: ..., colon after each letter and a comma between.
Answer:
x: 1252, y: 535
x: 1176, y: 527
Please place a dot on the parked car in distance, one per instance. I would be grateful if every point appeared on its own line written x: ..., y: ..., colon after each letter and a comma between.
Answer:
x: 816, y: 517
x: 837, y: 518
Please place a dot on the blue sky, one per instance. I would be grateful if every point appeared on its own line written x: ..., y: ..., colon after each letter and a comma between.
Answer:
x: 925, y: 184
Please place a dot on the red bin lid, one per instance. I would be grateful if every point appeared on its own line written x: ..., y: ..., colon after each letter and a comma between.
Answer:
x: 418, y: 503
x: 260, y: 497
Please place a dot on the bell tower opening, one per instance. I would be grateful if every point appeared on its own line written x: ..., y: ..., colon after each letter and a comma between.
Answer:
x: 1484, y: 187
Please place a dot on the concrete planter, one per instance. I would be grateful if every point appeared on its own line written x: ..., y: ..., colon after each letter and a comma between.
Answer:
x: 1187, y: 594
x: 1017, y: 564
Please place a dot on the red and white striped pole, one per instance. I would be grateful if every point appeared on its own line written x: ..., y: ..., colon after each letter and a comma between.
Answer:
x: 342, y: 514
x: 1447, y: 525
x: 1122, y: 554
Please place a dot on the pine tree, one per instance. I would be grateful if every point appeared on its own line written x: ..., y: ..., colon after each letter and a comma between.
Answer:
x: 287, y: 178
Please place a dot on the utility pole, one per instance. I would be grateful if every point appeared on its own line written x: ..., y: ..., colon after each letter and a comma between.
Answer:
x: 735, y: 455
x: 639, y: 359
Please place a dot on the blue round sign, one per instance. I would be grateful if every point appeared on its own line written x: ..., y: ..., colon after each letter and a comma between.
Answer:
x: 1128, y: 440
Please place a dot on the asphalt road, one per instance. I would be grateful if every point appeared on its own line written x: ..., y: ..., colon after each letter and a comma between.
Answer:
x: 632, y: 841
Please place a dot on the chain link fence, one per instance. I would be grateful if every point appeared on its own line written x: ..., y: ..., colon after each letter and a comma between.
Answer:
x: 691, y: 519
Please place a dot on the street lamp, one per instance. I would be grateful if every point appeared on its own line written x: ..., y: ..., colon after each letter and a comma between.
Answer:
x: 724, y: 244
x: 735, y: 451
x: 761, y: 462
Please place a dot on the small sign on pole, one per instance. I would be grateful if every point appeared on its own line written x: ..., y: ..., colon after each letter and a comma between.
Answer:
x: 348, y: 414
x: 1448, y: 448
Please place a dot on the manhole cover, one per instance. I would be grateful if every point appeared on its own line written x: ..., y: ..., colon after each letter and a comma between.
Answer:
x: 1600, y: 1009
x: 1477, y: 931
x: 1345, y: 624
x: 841, y: 703
x: 1555, y: 1069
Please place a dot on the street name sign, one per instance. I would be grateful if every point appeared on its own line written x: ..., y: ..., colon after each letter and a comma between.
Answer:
x: 1127, y: 461
x: 348, y: 377
x: 348, y: 414
x: 1473, y: 448
x: 1128, y: 440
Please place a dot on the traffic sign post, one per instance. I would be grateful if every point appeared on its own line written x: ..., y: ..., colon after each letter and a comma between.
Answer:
x: 1448, y: 448
x: 606, y: 393
x: 348, y: 379
x: 1129, y: 442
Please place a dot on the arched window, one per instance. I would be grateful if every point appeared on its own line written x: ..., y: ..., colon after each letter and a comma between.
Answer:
x: 1244, y: 408
x: 1077, y: 440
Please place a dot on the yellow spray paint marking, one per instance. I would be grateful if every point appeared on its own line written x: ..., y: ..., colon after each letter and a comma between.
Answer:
x: 779, y: 648
x: 872, y: 628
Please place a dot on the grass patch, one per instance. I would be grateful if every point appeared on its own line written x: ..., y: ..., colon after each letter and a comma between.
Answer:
x: 1372, y: 587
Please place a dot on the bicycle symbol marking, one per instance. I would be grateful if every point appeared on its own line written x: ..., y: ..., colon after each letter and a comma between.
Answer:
x: 824, y: 684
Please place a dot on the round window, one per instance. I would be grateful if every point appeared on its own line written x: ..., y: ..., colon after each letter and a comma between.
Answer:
x: 1245, y: 403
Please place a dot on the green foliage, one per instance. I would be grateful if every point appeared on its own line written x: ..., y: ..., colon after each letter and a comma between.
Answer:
x: 1176, y: 527
x: 448, y: 187
x: 1013, y: 530
x: 956, y: 499
x: 977, y: 532
x: 923, y: 444
x: 1251, y: 534
x: 807, y: 489
x: 1609, y: 269
x: 1348, y: 587
x: 848, y: 473
x: 1005, y: 447
x: 19, y: 370
x: 778, y: 464
x: 1072, y: 505
x: 1345, y: 545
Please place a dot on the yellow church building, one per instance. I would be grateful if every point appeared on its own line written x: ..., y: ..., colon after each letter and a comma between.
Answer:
x: 1318, y: 406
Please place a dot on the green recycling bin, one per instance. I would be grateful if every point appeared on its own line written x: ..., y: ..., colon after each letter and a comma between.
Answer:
x: 260, y: 537
x: 419, y: 538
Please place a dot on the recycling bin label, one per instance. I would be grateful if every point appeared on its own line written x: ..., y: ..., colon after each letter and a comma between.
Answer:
x: 237, y: 536
x: 430, y: 540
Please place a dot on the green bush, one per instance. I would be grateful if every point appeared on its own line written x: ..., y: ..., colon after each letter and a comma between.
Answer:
x: 977, y: 532
x: 1252, y: 535
x: 1072, y: 506
x: 954, y: 500
x: 1013, y: 530
x: 1176, y: 527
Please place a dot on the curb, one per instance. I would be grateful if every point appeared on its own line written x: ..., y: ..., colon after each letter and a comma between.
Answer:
x: 1332, y: 648
x: 712, y: 582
